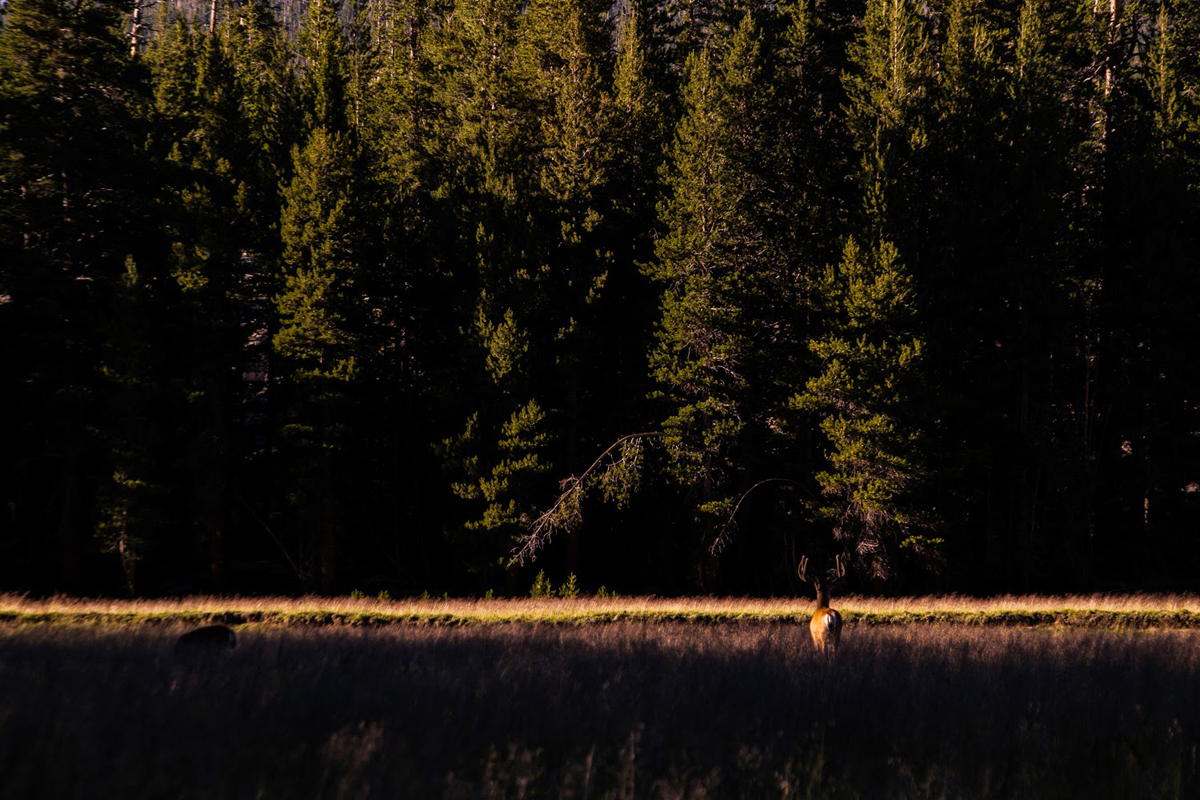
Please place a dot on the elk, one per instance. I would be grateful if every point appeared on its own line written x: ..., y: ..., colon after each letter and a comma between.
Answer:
x: 210, y: 637
x: 826, y: 624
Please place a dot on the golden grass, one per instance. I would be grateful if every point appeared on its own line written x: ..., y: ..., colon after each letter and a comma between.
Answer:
x: 1025, y: 603
x: 1176, y: 610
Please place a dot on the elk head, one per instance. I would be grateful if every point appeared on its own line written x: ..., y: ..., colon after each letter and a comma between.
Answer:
x: 822, y: 585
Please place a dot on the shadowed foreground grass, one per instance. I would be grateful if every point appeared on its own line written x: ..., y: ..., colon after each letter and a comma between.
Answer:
x: 625, y: 709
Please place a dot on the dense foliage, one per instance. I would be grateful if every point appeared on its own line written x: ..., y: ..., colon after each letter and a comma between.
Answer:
x: 319, y: 297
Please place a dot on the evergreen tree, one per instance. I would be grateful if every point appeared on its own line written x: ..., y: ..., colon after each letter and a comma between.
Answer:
x: 321, y: 317
x: 73, y: 180
x: 478, y: 95
x: 683, y: 27
x: 732, y: 297
x: 259, y: 280
x: 811, y: 145
x: 638, y: 126
x: 501, y: 487
x: 261, y: 57
x: 325, y: 69
x: 871, y: 347
x: 324, y: 331
x: 400, y: 109
x: 889, y: 95
x: 1005, y: 296
x: 596, y: 147
x: 413, y: 285
x: 1141, y: 271
x: 485, y: 136
x: 133, y: 501
x: 576, y: 217
x: 864, y: 397
x: 637, y: 136
x: 220, y: 136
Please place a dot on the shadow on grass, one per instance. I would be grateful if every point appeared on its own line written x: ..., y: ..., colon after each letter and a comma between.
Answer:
x: 615, y: 710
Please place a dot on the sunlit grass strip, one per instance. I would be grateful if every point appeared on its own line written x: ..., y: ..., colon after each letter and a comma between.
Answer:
x: 1099, y: 611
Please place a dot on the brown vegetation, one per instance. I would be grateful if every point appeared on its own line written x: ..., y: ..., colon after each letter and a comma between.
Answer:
x: 1095, y: 610
x: 627, y: 709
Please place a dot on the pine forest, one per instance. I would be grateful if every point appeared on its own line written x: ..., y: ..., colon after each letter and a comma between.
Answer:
x: 417, y: 296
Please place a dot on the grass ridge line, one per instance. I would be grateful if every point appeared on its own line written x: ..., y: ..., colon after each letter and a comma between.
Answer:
x: 1075, y: 618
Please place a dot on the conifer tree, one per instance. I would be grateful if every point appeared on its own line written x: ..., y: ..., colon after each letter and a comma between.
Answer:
x: 1170, y: 407
x: 575, y: 168
x: 598, y: 148
x: 1141, y: 236
x: 479, y: 97
x: 501, y: 483
x: 485, y: 136
x: 321, y: 316
x: 968, y: 102
x: 325, y: 69
x: 639, y: 129
x: 693, y: 348
x: 400, y: 109
x: 220, y: 139
x: 732, y: 297
x: 683, y: 27
x: 871, y: 347
x: 415, y: 294
x: 482, y: 175
x: 261, y: 57
x: 323, y: 333
x: 266, y: 278
x: 810, y: 148
x: 73, y: 186
x: 889, y: 94
x: 1001, y: 289
x: 134, y: 499
x: 870, y: 376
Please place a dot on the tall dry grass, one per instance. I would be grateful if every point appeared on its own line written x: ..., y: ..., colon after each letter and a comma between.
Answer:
x: 628, y: 709
x: 583, y: 608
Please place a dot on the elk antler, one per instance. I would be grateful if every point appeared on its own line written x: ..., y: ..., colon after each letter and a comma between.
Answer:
x: 841, y: 569
x: 803, y: 569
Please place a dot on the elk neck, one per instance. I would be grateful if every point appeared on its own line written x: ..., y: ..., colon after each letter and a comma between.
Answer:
x: 822, y: 597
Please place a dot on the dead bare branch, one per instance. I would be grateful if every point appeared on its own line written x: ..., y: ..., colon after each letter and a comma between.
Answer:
x: 729, y: 527
x: 566, y: 512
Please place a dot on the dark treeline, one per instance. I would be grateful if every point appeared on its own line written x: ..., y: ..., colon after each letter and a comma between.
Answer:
x: 327, y: 297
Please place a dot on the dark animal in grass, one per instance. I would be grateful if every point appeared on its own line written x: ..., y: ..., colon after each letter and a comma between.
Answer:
x: 210, y: 637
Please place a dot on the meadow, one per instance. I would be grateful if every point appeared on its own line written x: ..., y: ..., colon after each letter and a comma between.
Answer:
x: 1092, y: 611
x: 733, y: 704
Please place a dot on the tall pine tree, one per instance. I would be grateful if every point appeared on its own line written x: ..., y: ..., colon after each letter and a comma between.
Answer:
x: 865, y: 398
x: 73, y: 180
x: 324, y: 331
x: 728, y: 342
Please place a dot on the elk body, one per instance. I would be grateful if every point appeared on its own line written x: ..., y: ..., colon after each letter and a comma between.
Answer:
x: 210, y: 637
x: 826, y: 623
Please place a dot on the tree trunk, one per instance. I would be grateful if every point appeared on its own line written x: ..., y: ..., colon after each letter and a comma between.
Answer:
x: 135, y: 31
x: 69, y: 562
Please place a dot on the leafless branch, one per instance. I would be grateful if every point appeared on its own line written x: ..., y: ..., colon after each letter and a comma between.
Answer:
x: 287, y: 556
x: 565, y: 513
x: 729, y: 527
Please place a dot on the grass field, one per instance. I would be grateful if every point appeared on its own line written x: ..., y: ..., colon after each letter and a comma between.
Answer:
x: 1104, y: 611
x: 730, y: 701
